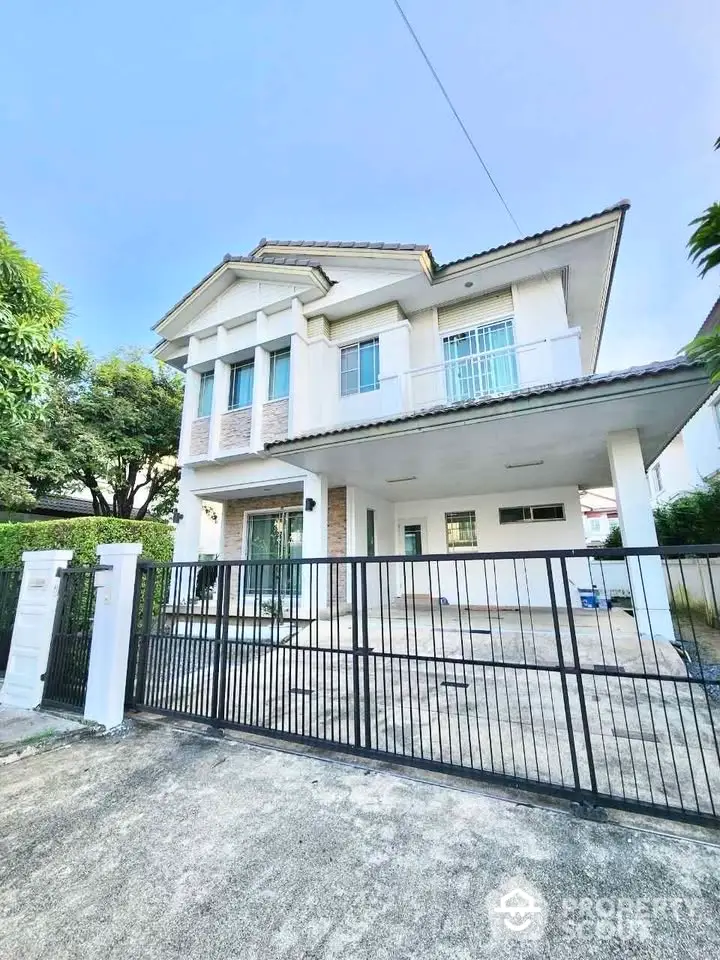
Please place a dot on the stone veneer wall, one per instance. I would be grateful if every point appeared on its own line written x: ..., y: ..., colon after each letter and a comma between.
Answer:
x: 199, y: 437
x: 275, y: 420
x: 337, y: 542
x: 235, y: 428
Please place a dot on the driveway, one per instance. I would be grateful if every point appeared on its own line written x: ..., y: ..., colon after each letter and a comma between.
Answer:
x: 165, y: 843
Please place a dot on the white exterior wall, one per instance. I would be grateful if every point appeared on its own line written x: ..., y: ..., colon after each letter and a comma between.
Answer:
x: 693, y: 455
x: 504, y: 588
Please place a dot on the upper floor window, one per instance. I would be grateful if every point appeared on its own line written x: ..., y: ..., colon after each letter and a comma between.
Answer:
x: 360, y: 367
x: 207, y: 382
x: 657, y: 480
x: 242, y: 376
x: 595, y: 525
x: 480, y: 362
x: 279, y: 383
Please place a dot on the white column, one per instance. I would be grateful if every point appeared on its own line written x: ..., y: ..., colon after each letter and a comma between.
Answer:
x: 260, y: 393
x: 647, y: 580
x: 107, y: 670
x: 189, y: 413
x: 221, y: 396
x: 315, y: 540
x: 33, y: 629
x: 187, y: 531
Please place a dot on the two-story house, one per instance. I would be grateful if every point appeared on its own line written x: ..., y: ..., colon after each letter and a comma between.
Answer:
x: 347, y: 399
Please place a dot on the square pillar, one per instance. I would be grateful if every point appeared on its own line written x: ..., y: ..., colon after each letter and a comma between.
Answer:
x: 260, y: 393
x: 191, y: 399
x: 315, y: 542
x: 221, y: 396
x: 33, y: 629
x: 647, y: 579
x: 187, y: 534
x: 112, y: 625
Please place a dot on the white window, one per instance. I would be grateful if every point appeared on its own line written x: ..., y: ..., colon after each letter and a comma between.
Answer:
x: 595, y: 525
x: 460, y: 530
x: 207, y: 382
x: 242, y: 376
x: 480, y: 362
x: 360, y: 367
x: 657, y: 480
x: 535, y: 513
x: 279, y: 383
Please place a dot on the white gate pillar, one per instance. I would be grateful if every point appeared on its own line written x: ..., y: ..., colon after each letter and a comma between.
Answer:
x: 107, y: 671
x: 315, y: 544
x: 637, y: 525
x: 33, y: 628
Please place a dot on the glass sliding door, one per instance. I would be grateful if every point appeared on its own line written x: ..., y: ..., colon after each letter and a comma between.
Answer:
x: 274, y: 536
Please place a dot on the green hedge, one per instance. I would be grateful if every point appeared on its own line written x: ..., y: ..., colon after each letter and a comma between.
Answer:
x: 82, y: 535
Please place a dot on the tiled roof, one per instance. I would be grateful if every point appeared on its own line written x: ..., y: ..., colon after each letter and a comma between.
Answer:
x: 74, y: 506
x: 341, y: 245
x: 711, y: 321
x: 591, y: 380
x: 257, y: 261
x: 622, y: 206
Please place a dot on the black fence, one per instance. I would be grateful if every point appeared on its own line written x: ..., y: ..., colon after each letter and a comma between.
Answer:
x: 10, y: 580
x: 69, y: 657
x: 530, y: 669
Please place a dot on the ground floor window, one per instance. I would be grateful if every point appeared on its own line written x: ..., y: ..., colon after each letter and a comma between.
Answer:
x: 274, y: 536
x: 533, y: 513
x: 412, y: 540
x: 460, y: 530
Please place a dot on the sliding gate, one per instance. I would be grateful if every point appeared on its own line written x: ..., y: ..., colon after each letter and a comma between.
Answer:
x: 482, y: 665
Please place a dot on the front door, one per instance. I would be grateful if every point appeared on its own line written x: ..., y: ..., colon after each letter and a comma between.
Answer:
x: 274, y: 536
x: 412, y: 539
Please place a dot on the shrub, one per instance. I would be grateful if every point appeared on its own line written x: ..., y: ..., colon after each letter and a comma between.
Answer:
x: 82, y: 535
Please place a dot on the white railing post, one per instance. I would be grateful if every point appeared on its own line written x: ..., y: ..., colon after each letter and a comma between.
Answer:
x: 33, y: 629
x: 107, y: 671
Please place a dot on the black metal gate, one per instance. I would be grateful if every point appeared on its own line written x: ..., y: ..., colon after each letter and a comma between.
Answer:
x: 482, y: 665
x: 69, y: 657
x: 10, y: 580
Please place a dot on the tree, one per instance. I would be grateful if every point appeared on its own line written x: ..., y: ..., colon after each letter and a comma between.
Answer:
x: 32, y: 313
x: 704, y: 242
x: 32, y: 351
x: 115, y: 430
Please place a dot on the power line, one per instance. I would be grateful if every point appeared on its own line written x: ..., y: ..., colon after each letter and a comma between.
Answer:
x: 464, y: 129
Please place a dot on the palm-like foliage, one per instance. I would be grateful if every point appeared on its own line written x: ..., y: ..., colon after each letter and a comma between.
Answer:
x: 704, y: 242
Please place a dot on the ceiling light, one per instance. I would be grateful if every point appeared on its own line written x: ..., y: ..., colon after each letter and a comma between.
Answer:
x: 530, y: 463
x: 469, y: 283
x: 400, y: 479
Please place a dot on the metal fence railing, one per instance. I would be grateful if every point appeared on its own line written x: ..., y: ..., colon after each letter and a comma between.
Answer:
x: 509, y: 666
x: 10, y: 580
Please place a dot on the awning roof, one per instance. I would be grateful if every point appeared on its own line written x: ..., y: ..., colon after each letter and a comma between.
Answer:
x: 546, y: 436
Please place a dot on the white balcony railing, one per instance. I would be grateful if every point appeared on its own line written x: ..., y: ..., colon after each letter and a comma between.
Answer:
x: 494, y: 372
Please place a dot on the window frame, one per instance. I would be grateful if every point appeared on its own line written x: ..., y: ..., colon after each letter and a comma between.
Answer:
x: 234, y: 370
x: 529, y: 513
x: 480, y: 372
x: 453, y: 516
x: 208, y: 376
x: 657, y: 480
x: 345, y: 351
x: 276, y: 355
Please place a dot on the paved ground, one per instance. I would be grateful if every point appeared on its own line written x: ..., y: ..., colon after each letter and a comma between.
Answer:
x: 25, y: 727
x: 163, y: 843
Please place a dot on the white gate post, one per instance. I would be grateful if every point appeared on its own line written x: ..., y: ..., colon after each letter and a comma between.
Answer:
x: 107, y: 671
x: 33, y: 628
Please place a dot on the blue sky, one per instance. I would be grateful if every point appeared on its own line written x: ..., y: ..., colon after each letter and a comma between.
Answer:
x: 142, y: 141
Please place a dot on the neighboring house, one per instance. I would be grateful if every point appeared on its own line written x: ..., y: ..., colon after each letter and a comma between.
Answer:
x: 600, y: 515
x: 694, y: 453
x: 51, y: 508
x: 363, y: 399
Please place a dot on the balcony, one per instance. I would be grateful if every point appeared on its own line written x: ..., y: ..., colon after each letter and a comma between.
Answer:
x: 491, y: 373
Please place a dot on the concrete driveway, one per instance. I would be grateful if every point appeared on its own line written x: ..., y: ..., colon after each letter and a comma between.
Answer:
x: 164, y: 843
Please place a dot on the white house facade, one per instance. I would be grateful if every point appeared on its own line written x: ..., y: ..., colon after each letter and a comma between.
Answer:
x: 355, y: 399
